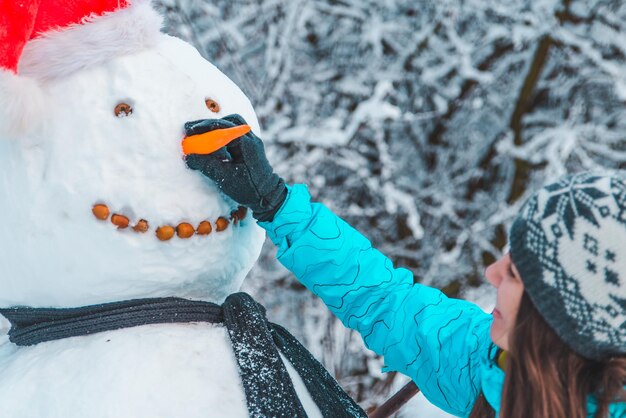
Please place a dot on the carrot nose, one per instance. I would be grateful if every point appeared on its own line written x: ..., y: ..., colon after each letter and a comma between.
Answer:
x: 211, y: 141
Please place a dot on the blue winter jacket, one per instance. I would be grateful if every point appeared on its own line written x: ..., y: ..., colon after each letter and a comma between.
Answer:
x: 443, y: 344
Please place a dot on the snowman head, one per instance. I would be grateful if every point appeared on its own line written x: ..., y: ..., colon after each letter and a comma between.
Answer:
x: 102, y: 151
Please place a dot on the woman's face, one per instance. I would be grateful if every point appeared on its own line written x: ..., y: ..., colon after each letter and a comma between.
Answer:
x: 505, y: 278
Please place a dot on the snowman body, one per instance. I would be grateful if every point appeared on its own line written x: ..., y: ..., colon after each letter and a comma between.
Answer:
x: 149, y: 371
x: 81, y: 151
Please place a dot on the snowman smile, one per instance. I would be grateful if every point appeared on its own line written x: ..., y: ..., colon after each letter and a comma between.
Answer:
x: 183, y: 230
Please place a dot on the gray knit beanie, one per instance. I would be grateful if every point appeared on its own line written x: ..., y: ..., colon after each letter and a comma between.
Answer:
x: 569, y: 246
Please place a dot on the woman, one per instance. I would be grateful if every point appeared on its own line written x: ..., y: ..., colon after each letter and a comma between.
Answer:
x: 554, y: 347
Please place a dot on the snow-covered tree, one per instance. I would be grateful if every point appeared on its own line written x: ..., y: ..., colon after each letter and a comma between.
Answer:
x: 423, y: 123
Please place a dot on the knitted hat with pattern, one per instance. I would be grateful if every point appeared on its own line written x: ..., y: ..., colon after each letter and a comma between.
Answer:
x: 569, y: 246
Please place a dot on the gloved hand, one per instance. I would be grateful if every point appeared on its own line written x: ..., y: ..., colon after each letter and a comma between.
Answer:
x: 240, y: 169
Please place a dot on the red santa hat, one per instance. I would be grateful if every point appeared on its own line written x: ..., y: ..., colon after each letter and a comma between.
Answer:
x: 44, y: 39
x: 50, y: 38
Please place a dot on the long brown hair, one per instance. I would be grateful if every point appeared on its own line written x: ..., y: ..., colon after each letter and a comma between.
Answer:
x: 546, y: 379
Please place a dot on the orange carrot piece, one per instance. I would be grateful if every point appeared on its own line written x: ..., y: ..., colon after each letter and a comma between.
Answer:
x: 211, y: 141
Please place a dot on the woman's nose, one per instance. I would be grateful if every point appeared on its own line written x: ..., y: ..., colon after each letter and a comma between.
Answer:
x: 491, y: 273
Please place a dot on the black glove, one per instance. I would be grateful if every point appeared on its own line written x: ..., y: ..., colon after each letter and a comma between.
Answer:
x: 240, y: 169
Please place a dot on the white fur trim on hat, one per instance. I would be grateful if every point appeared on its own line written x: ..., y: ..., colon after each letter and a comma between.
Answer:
x: 22, y: 104
x: 96, y: 40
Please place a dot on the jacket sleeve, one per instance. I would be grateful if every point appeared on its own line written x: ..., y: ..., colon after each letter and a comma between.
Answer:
x: 436, y: 341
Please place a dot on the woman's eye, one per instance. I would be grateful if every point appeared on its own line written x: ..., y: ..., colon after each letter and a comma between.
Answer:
x: 212, y: 105
x: 123, y: 110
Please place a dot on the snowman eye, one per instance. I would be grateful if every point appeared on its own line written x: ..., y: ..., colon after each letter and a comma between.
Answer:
x: 212, y: 105
x: 123, y: 109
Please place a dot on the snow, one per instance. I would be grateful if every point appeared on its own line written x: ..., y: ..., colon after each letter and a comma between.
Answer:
x: 419, y: 407
x: 64, y: 379
x: 153, y: 370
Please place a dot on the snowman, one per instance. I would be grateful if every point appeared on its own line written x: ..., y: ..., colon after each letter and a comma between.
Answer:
x: 115, y: 256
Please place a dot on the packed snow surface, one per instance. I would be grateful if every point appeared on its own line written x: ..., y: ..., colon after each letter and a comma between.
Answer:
x: 150, y: 371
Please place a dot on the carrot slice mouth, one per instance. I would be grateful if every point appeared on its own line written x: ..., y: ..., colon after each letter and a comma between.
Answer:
x: 211, y: 141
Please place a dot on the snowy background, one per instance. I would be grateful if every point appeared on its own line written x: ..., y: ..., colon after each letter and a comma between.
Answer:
x: 423, y: 123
